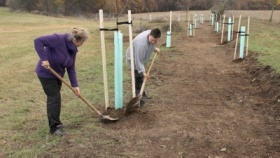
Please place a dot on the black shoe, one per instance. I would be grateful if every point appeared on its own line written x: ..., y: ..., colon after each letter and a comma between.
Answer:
x: 58, y: 132
x: 142, y: 103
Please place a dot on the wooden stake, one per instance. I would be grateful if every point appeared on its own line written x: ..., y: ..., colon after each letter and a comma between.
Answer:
x: 232, y: 27
x: 220, y: 23
x: 193, y: 28
x: 188, y: 34
x: 248, y: 32
x: 237, y: 36
x: 223, y: 29
x: 104, y: 60
x: 210, y: 19
x: 131, y: 54
x: 170, y: 22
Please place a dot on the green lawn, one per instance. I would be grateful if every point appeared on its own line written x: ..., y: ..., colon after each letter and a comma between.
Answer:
x: 264, y: 39
x: 23, y: 120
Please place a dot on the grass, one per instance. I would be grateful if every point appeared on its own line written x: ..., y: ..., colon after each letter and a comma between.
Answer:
x: 23, y: 122
x: 264, y: 39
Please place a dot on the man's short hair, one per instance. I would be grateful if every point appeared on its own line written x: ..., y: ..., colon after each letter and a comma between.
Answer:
x: 155, y: 33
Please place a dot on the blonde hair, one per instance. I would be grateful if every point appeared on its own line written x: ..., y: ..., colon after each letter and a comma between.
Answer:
x: 80, y: 34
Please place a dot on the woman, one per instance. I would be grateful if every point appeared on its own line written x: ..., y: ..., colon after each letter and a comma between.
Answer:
x: 58, y: 51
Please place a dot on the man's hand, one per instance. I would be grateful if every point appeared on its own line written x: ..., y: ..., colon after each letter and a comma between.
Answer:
x: 77, y: 91
x: 45, y: 64
x: 145, y: 75
x: 157, y: 50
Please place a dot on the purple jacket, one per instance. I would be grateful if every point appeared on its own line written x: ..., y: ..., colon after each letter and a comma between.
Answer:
x: 61, y: 54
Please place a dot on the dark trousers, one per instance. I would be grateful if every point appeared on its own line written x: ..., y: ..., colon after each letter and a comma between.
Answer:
x: 139, y: 78
x: 52, y: 88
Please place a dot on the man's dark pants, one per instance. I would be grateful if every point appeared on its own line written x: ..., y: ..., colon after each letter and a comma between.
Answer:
x: 138, y: 81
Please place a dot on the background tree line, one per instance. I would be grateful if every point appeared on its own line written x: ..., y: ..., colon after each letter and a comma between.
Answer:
x: 88, y: 7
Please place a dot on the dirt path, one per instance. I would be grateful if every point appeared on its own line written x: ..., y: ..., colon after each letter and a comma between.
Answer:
x: 203, y: 105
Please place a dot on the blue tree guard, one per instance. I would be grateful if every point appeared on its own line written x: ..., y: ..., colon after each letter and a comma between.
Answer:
x: 201, y: 18
x: 118, y: 69
x: 217, y: 26
x: 168, y: 39
x: 229, y: 28
x: 195, y: 21
x: 212, y: 19
x: 242, y: 41
x: 190, y: 29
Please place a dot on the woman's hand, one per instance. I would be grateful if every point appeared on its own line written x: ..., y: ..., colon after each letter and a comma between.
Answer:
x: 77, y: 91
x: 45, y: 64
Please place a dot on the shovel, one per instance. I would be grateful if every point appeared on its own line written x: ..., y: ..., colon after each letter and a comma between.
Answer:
x: 136, y: 100
x: 103, y: 117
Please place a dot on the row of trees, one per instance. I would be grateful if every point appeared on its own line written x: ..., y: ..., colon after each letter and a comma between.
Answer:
x: 86, y: 7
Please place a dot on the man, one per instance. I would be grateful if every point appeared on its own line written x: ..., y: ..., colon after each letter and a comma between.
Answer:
x: 143, y: 47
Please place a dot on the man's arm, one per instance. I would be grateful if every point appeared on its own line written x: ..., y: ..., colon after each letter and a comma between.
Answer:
x: 139, y: 55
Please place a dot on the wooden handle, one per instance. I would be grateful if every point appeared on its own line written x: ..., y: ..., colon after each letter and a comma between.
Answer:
x: 145, y: 78
x: 68, y: 85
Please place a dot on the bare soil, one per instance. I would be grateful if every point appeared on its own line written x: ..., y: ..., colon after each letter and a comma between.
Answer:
x: 203, y: 104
